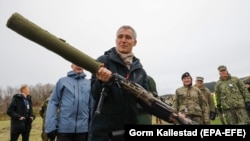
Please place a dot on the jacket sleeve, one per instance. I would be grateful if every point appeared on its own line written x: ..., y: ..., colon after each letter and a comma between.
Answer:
x: 11, y: 109
x: 97, y: 85
x: 244, y: 91
x: 51, y: 117
x: 217, y: 95
x: 91, y: 106
x: 31, y: 109
x: 175, y: 101
x: 204, y: 107
x: 210, y: 101
x: 41, y: 111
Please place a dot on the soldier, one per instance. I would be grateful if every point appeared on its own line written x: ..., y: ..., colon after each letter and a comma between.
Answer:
x: 190, y: 101
x: 42, y: 113
x: 208, y: 96
x: 143, y: 116
x: 232, y: 97
x: 247, y: 84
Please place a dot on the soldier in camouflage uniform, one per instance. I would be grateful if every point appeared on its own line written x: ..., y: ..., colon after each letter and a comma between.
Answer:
x: 42, y: 113
x: 207, y: 93
x: 247, y: 84
x: 232, y: 97
x: 190, y: 101
x: 143, y: 116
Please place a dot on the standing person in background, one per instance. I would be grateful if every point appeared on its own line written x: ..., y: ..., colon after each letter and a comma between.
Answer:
x: 158, y: 120
x: 153, y: 89
x: 143, y: 116
x: 21, y: 113
x: 42, y: 113
x: 232, y: 97
x: 71, y: 96
x: 208, y: 96
x: 190, y: 101
x: 247, y: 84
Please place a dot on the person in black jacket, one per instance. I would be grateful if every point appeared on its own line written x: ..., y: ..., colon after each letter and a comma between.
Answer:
x: 21, y: 112
x: 119, y: 107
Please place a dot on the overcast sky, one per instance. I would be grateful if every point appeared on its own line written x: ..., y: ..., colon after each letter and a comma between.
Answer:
x: 174, y: 36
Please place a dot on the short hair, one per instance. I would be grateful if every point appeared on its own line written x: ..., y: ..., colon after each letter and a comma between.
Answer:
x: 23, y: 87
x: 127, y: 27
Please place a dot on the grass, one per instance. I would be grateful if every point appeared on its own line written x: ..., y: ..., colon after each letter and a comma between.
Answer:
x: 35, y: 134
x: 213, y: 122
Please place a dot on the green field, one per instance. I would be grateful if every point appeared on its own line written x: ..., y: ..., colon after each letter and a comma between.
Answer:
x: 37, y: 128
x: 35, y: 134
x: 213, y: 122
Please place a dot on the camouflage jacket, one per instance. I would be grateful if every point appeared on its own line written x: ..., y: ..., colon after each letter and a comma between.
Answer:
x: 43, y: 108
x: 231, y: 93
x: 191, y: 102
x: 208, y: 96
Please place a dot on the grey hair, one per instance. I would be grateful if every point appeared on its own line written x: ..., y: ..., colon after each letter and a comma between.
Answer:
x: 127, y: 27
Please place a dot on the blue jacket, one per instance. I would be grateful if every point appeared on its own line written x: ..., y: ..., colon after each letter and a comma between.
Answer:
x: 70, y: 105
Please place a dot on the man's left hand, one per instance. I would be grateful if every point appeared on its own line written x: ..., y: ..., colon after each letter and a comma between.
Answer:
x: 248, y: 106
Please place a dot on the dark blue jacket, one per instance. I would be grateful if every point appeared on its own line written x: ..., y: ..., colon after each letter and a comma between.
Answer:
x: 119, y: 106
x: 18, y: 108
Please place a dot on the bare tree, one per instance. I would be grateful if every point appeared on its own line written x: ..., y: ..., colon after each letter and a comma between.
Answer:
x: 39, y: 93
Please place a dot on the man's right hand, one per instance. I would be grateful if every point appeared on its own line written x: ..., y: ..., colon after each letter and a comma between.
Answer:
x: 248, y: 106
x: 103, y: 74
x: 212, y: 115
x: 219, y: 109
x: 22, y: 118
x: 52, y: 134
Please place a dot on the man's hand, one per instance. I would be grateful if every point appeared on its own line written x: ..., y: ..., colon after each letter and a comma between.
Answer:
x: 185, y: 119
x: 52, y: 134
x: 248, y: 106
x: 103, y: 74
x: 22, y: 118
x: 219, y: 109
x: 212, y: 115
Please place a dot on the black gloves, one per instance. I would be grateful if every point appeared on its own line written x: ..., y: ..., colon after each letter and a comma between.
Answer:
x: 52, y: 135
x: 212, y: 115
x: 248, y: 106
x: 219, y: 109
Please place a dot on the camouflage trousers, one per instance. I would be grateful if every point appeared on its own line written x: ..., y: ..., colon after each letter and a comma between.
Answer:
x: 197, y: 119
x: 236, y: 116
x: 248, y: 113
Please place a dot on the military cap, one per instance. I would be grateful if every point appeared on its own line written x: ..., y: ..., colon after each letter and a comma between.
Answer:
x: 222, y: 67
x: 186, y: 74
x: 199, y: 78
